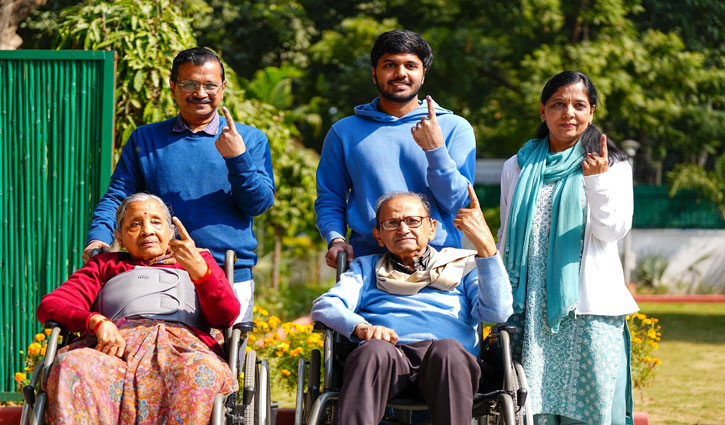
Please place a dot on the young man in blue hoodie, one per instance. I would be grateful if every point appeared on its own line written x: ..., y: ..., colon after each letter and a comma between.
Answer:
x: 394, y: 143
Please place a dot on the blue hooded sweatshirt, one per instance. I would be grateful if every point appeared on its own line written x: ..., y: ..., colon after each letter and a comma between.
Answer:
x: 372, y: 153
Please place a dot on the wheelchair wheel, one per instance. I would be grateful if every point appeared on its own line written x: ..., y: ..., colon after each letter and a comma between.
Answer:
x: 249, y: 399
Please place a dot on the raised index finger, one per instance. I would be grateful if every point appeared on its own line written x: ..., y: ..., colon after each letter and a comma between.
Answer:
x: 183, y: 234
x: 472, y: 196
x: 230, y: 121
x: 431, y: 109
x: 603, y: 152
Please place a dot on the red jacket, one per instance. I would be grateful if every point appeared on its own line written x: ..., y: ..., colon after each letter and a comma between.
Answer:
x: 71, y: 303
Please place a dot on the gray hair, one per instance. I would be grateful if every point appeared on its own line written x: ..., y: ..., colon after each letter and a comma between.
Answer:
x: 380, y: 203
x: 137, y: 197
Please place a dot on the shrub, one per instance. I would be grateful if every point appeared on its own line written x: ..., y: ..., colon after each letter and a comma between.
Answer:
x: 645, y: 337
x: 282, y: 344
x: 33, y: 357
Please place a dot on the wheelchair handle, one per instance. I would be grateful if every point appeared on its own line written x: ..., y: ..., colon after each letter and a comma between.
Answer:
x: 341, y: 264
x: 94, y: 251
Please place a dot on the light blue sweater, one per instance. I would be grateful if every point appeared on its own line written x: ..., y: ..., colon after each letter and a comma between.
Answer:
x: 372, y: 153
x: 429, y: 314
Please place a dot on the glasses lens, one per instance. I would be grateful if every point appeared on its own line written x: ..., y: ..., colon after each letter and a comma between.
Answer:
x: 391, y: 224
x: 192, y: 87
x: 413, y: 222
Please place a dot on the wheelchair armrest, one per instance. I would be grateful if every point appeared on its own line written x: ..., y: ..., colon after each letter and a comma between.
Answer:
x: 319, y: 326
x: 50, y: 324
x: 244, y: 326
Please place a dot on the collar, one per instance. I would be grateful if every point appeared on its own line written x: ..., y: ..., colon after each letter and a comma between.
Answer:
x: 419, y: 264
x: 211, y: 129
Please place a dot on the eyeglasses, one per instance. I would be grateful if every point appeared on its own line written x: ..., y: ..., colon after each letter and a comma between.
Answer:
x: 193, y: 86
x: 413, y: 222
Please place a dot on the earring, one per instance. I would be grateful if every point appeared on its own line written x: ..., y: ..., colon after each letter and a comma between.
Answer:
x: 542, y: 119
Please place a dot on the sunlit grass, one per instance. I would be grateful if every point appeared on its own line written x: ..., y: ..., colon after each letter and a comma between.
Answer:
x: 688, y: 386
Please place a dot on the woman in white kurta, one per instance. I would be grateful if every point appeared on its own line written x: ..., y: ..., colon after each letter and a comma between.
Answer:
x: 566, y: 199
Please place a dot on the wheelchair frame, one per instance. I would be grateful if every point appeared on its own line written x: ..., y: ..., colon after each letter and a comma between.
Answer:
x: 255, y: 406
x: 508, y: 405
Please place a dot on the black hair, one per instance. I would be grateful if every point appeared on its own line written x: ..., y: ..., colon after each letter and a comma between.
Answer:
x: 196, y: 55
x: 590, y: 138
x: 401, y: 41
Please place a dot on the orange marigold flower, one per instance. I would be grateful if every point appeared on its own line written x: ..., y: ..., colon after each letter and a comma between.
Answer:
x: 285, y: 372
x: 48, y: 331
x: 34, y: 348
x: 20, y: 376
x: 39, y: 337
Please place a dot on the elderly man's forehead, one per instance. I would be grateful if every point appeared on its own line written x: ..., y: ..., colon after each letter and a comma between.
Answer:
x: 405, y: 200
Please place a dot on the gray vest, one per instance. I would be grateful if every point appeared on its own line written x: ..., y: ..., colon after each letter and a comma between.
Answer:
x: 154, y: 293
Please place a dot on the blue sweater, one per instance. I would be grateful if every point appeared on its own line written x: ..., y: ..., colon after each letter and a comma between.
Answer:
x: 214, y: 197
x: 372, y: 153
x: 429, y: 314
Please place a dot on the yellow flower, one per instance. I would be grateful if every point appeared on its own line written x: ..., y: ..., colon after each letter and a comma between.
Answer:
x: 48, y: 331
x: 654, y: 345
x: 647, y: 358
x: 285, y: 372
x: 647, y: 321
x: 313, y: 339
x: 39, y: 337
x: 34, y: 348
x: 274, y: 321
x: 283, y: 347
x: 42, y: 351
x: 20, y: 376
x: 296, y: 352
x: 657, y: 361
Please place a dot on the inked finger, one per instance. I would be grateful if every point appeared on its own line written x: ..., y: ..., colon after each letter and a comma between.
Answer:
x: 431, y: 108
x: 183, y: 234
x: 603, y: 151
x: 473, y: 198
x: 230, y: 121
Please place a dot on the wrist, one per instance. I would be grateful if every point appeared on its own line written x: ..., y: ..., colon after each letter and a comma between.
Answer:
x: 336, y: 240
x: 201, y: 277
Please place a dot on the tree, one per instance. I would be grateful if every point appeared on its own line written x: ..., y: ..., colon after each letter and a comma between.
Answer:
x: 12, y: 13
x: 710, y: 183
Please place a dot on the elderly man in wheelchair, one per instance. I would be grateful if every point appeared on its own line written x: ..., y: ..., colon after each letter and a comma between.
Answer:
x: 147, y: 355
x: 415, y: 311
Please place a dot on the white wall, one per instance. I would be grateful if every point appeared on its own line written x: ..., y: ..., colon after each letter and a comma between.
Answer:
x: 682, y: 248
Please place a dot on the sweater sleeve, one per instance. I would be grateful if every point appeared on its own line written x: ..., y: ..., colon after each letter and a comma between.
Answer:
x: 250, y: 174
x: 126, y: 180
x: 336, y: 308
x: 333, y: 187
x: 611, y: 202
x: 493, y: 300
x: 451, y: 168
x: 70, y: 304
x: 216, y: 297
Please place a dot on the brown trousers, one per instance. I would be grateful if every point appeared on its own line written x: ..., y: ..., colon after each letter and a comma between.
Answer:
x: 441, y: 372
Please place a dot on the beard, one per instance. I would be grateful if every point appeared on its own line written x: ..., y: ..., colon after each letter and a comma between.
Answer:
x: 402, y: 97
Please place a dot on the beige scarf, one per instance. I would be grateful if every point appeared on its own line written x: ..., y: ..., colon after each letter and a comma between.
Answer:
x: 444, y: 272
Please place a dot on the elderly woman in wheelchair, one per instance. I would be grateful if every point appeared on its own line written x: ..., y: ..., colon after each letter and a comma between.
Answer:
x: 147, y: 355
x: 415, y: 311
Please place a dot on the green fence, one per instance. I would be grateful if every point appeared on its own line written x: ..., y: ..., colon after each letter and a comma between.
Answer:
x: 653, y: 208
x: 56, y: 138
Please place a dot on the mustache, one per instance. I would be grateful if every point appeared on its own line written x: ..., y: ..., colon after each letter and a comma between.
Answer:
x: 399, y: 80
x: 199, y: 99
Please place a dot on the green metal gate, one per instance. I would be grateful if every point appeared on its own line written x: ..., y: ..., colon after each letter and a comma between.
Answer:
x: 56, y: 139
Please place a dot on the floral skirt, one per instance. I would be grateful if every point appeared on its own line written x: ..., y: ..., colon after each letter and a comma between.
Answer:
x: 168, y: 376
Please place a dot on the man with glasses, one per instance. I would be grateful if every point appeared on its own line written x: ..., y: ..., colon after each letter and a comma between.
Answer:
x: 214, y: 174
x: 415, y: 310
x: 394, y: 143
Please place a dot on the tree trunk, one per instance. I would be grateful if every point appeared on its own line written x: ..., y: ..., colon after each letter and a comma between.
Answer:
x: 12, y: 13
x: 276, y: 258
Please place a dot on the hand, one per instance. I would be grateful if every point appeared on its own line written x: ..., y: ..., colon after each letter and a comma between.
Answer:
x: 427, y: 133
x: 597, y: 164
x: 230, y: 142
x: 184, y: 250
x: 94, y: 245
x: 336, y: 246
x: 110, y: 340
x: 472, y: 223
x: 366, y: 332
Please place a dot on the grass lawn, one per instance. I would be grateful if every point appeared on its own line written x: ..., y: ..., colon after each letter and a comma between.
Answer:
x: 688, y: 385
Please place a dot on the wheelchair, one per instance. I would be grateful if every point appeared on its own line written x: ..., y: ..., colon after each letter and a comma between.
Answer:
x: 315, y: 404
x: 251, y: 407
